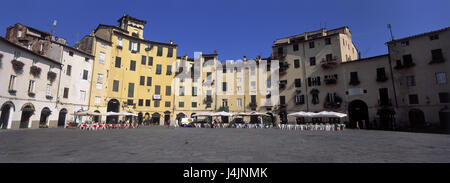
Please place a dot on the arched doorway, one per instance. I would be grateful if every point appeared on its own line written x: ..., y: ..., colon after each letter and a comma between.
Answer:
x: 444, y: 118
x: 97, y: 118
x: 140, y: 118
x: 283, y: 117
x: 180, y: 116
x: 113, y: 106
x: 27, y: 112
x: 156, y: 118
x: 358, y: 112
x: 62, y: 117
x: 416, y: 118
x: 43, y: 121
x: 167, y: 118
x: 6, y: 115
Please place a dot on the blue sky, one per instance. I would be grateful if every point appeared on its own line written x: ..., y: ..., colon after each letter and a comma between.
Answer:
x: 235, y: 28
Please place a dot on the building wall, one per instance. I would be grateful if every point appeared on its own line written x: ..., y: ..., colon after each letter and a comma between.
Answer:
x: 21, y: 97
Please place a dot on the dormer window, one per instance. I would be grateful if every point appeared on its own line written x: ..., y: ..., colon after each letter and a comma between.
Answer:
x: 135, y: 33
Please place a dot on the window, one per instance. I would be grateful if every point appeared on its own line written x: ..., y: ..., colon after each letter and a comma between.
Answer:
x: 82, y: 95
x: 381, y: 74
x: 208, y: 76
x: 102, y: 44
x: 405, y: 43
x: 252, y: 71
x: 354, y: 78
x: 312, y: 61
x: 169, y: 70
x: 156, y: 103
x: 168, y: 90
x: 66, y: 93
x: 134, y: 47
x: 130, y: 102
x: 194, y: 91
x: 224, y: 102
x: 295, y: 47
x: 441, y: 78
x: 147, y: 102
x: 299, y: 99
x: 239, y: 102
x: 158, y: 68
x: 327, y: 41
x: 268, y: 83
x: 118, y: 62
x: 413, y: 99
x: 157, y: 90
x: 167, y: 104
x: 150, y: 61
x: 31, y: 86
x: 71, y: 53
x: 69, y: 70
x: 12, y: 81
x: 410, y: 81
x: 99, y: 81
x: 101, y: 58
x: 130, y: 90
x: 85, y: 74
x: 436, y: 55
x: 142, y: 81
x: 311, y: 44
x: 149, y: 81
x: 296, y: 63
x: 115, y: 86
x: 49, y: 90
x: 253, y: 85
x: 170, y: 52
x: 132, y: 65
x: 194, y: 104
x: 282, y: 100
x: 407, y: 60
x: 444, y: 97
x: 298, y: 83
x: 181, y: 92
x: 144, y: 60
x: 315, y: 81
x: 97, y: 100
x: 434, y: 37
x: 119, y: 41
x: 224, y: 86
x: 253, y: 99
x: 140, y: 102
x: 159, y: 51
x: 239, y: 88
x: 329, y: 57
x: 181, y: 104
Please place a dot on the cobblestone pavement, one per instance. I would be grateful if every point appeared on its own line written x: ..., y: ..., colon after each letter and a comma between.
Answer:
x: 159, y: 144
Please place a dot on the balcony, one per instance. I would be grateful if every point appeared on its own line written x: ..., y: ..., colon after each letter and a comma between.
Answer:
x: 354, y: 82
x: 437, y: 60
x: 330, y: 80
x: 384, y: 102
x: 381, y: 78
x: 330, y: 63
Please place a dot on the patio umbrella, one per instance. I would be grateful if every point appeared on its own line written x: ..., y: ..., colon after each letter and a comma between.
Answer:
x: 110, y: 114
x: 222, y: 113
x: 303, y: 114
x: 86, y: 113
x: 203, y: 114
x: 331, y: 114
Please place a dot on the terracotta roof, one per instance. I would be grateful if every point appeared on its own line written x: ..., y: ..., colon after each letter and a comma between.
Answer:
x: 74, y: 49
x: 365, y: 59
x: 29, y: 51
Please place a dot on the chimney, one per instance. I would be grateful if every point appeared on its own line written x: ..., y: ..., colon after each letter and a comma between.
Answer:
x: 245, y: 59
x: 215, y: 51
x: 171, y: 41
x: 359, y: 55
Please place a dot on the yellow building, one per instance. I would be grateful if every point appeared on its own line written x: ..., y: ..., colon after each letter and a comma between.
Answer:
x: 138, y: 75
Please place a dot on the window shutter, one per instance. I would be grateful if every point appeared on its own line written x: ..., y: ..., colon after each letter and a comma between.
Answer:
x: 130, y: 47
x: 138, y: 47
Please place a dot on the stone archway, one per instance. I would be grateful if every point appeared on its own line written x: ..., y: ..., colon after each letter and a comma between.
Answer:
x: 27, y: 111
x: 97, y: 118
x: 43, y: 121
x: 113, y: 106
x: 7, y: 110
x: 156, y: 118
x: 416, y: 118
x: 62, y: 117
x: 167, y: 118
x: 358, y: 113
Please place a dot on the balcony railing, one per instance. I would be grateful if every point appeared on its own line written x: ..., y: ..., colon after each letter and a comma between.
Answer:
x: 326, y: 64
x: 384, y: 102
x: 330, y: 80
x: 437, y: 60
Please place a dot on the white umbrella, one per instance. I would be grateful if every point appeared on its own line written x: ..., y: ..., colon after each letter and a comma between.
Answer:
x: 110, y: 114
x: 254, y: 113
x: 303, y: 114
x: 332, y: 114
x: 222, y: 113
x: 126, y: 114
x: 86, y: 113
x: 203, y: 114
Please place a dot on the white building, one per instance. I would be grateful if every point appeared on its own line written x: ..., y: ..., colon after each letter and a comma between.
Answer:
x: 29, y: 88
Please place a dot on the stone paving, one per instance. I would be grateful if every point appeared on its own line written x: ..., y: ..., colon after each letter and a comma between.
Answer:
x: 167, y: 145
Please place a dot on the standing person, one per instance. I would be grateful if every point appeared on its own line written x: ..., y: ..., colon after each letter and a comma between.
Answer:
x: 357, y: 124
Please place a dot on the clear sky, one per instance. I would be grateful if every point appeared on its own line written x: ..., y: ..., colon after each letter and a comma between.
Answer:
x: 234, y: 27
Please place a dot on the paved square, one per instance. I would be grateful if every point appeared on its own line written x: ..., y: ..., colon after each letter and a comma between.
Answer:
x: 159, y: 144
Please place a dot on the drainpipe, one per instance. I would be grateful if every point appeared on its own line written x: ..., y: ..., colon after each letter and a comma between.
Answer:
x: 392, y: 78
x: 304, y: 77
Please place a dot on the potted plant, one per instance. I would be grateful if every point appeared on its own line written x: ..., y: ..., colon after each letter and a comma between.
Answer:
x: 35, y: 70
x: 17, y: 65
x: 51, y: 75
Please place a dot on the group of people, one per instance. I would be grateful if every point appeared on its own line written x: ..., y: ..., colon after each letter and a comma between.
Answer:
x: 121, y: 124
x: 313, y: 127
